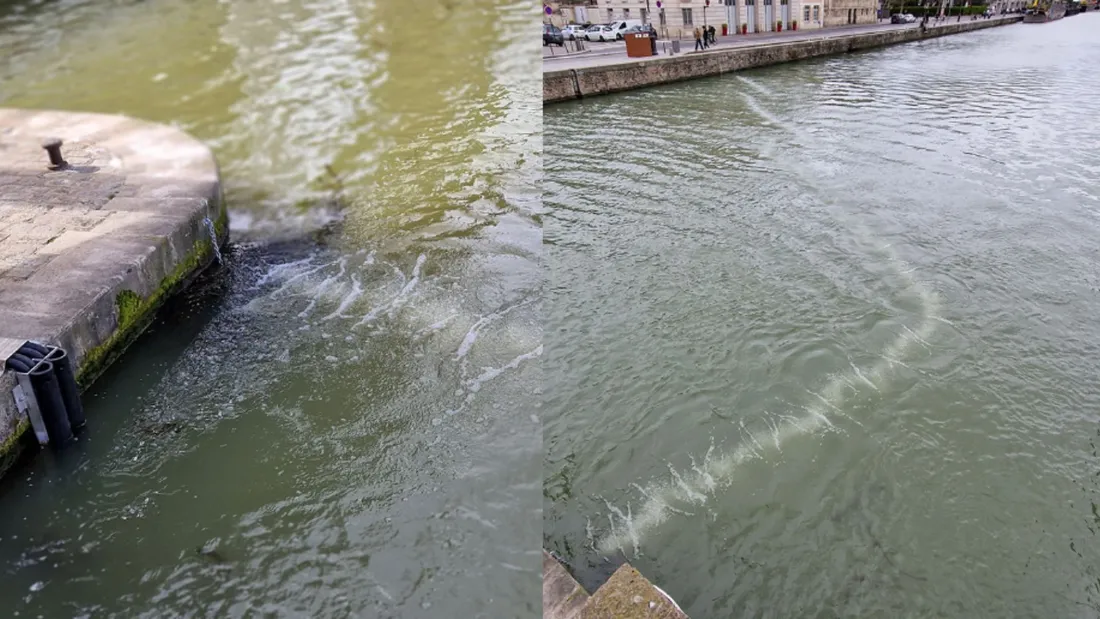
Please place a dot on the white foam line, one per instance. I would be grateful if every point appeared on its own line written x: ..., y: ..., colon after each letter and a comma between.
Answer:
x: 435, y: 327
x: 756, y: 86
x: 488, y: 374
x: 861, y: 377
x: 473, y: 385
x: 346, y: 302
x: 403, y: 296
x: 393, y: 305
x: 319, y: 291
x: 719, y: 472
x: 474, y: 331
x: 763, y: 113
x: 290, y: 280
x: 278, y: 269
x: 308, y: 309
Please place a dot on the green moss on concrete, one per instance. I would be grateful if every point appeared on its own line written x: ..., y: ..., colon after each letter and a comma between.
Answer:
x: 135, y: 313
x: 12, y: 442
x: 13, y: 447
x: 221, y: 225
x: 129, y: 307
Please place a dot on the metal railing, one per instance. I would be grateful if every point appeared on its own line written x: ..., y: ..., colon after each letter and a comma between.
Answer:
x: 572, y: 46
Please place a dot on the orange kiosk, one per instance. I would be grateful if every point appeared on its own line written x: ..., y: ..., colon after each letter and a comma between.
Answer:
x: 638, y: 45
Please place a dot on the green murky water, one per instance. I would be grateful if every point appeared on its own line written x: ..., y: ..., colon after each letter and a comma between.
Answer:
x: 821, y: 339
x: 345, y: 428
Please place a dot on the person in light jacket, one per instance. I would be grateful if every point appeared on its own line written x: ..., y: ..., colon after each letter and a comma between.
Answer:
x: 699, y: 40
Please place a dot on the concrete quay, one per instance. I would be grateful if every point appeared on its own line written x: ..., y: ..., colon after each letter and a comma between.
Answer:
x: 626, y: 595
x: 90, y: 249
x: 589, y: 76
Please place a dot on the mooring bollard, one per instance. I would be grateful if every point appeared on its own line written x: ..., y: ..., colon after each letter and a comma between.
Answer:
x: 53, y: 149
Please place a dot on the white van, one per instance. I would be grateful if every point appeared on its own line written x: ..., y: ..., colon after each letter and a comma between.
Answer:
x: 616, y: 29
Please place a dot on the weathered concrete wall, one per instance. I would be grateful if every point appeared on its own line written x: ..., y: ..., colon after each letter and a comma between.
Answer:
x: 559, y: 86
x: 562, y: 596
x: 592, y: 81
x: 88, y: 252
x: 626, y: 595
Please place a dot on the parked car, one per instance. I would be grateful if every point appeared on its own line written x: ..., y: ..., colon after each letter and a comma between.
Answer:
x: 551, y: 35
x: 902, y: 18
x: 593, y: 32
x: 572, y: 32
x: 616, y: 29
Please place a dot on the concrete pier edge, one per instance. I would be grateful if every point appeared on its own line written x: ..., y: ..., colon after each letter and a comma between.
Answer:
x: 576, y: 83
x: 626, y: 595
x: 127, y: 219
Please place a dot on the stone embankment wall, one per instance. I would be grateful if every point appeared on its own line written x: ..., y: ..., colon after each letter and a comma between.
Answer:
x: 591, y: 81
x: 90, y: 249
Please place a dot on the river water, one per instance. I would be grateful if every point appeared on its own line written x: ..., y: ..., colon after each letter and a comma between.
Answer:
x: 342, y: 420
x: 821, y: 339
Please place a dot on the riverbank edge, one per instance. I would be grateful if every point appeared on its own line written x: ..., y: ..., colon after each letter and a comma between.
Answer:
x: 626, y: 595
x: 171, y: 177
x: 570, y: 84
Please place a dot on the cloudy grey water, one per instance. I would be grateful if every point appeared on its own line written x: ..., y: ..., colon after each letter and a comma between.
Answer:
x: 338, y: 428
x: 821, y: 339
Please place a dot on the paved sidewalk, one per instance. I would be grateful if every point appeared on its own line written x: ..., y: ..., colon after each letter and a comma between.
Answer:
x: 615, y: 53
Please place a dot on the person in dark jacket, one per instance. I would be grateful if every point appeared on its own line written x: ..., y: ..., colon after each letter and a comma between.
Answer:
x: 713, y: 38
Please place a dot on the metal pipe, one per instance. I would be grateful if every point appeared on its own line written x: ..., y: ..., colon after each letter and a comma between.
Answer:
x: 66, y: 382
x: 50, y: 405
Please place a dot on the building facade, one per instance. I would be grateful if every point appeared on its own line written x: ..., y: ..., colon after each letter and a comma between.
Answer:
x: 679, y: 18
x: 572, y: 11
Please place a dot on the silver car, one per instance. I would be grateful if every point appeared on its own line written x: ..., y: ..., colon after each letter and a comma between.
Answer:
x: 572, y: 32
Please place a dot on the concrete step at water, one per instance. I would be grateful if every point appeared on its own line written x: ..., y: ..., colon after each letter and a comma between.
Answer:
x: 626, y: 595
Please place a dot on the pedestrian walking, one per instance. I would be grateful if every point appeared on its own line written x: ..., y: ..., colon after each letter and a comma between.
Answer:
x: 699, y: 40
x: 713, y: 38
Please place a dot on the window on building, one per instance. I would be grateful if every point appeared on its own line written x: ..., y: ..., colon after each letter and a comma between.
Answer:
x: 626, y: 13
x: 817, y: 12
x: 805, y: 13
x: 661, y: 15
x: 687, y: 17
x: 644, y: 15
x: 610, y: 16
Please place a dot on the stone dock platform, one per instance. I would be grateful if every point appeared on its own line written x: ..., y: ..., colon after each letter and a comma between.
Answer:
x: 626, y: 595
x: 90, y: 249
x: 594, y: 76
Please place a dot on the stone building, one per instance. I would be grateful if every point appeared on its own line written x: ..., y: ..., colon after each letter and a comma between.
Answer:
x: 678, y: 18
x: 572, y: 11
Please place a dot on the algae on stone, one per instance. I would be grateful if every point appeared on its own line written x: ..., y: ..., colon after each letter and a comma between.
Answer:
x: 135, y: 313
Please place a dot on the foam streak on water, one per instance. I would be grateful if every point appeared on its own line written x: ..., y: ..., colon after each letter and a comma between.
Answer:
x: 696, y: 486
x: 392, y: 306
